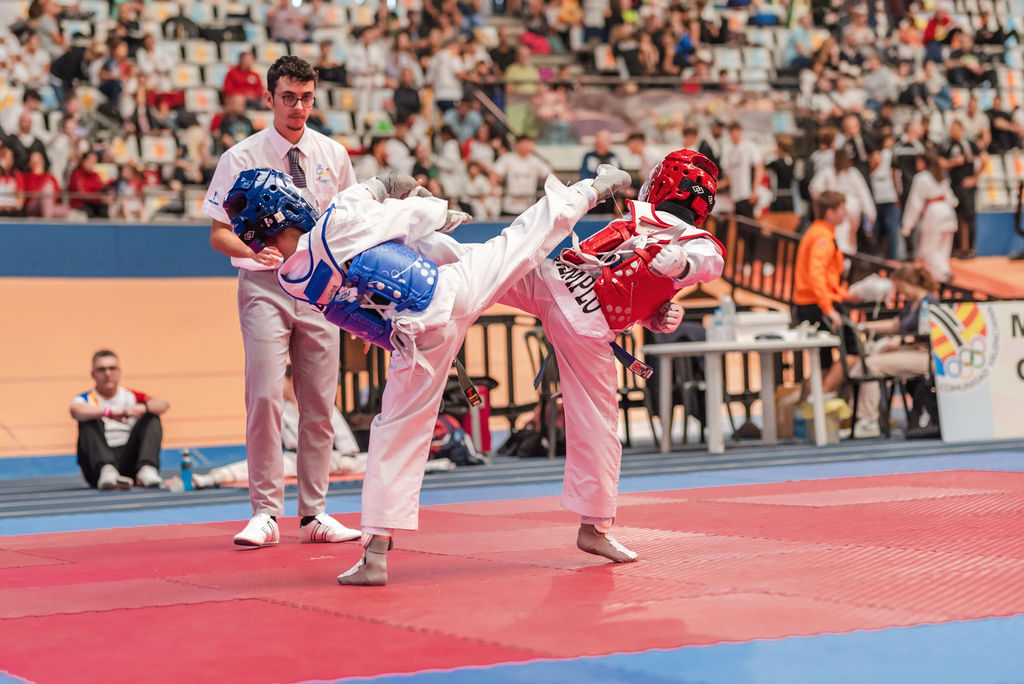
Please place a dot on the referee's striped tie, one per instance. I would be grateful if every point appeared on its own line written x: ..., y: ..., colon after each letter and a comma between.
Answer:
x: 298, y: 175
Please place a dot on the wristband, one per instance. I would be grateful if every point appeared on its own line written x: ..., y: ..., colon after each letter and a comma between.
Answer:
x: 106, y: 412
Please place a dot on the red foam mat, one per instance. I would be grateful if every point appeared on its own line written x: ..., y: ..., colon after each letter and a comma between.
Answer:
x: 502, y: 581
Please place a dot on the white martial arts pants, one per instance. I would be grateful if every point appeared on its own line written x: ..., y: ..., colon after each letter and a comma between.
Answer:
x: 400, y: 435
x: 589, y: 382
x: 276, y: 327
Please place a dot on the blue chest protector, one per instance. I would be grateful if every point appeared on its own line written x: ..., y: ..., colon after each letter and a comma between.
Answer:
x: 357, y: 296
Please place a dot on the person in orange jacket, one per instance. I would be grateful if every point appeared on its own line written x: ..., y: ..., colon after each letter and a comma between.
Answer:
x: 819, y: 269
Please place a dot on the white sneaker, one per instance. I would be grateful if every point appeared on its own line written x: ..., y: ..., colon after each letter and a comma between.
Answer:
x: 262, y: 530
x: 325, y: 529
x: 866, y: 427
x: 110, y: 478
x: 148, y: 476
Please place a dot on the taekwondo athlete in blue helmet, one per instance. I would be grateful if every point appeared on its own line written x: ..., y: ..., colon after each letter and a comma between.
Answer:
x: 358, y: 263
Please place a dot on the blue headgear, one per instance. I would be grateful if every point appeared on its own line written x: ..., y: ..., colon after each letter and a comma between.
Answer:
x: 263, y: 202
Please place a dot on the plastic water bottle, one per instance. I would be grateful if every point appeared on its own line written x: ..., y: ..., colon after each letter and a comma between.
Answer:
x: 716, y: 333
x: 728, y: 308
x: 924, y: 325
x: 186, y: 469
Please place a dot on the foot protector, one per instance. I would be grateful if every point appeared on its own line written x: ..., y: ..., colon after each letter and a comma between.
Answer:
x: 372, y: 568
x: 592, y: 541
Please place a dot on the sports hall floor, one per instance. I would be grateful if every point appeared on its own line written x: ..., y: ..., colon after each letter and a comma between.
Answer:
x: 873, y: 560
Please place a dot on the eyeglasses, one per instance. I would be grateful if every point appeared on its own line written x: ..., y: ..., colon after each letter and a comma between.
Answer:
x: 107, y: 369
x: 291, y: 99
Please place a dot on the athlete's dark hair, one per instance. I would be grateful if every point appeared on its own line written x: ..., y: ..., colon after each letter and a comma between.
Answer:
x: 291, y: 67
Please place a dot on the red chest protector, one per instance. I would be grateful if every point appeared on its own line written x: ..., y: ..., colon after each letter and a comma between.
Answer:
x: 627, y: 288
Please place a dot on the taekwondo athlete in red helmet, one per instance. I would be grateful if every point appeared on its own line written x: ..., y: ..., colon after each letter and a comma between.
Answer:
x: 626, y: 273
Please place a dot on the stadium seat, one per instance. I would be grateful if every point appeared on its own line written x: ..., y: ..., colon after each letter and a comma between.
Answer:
x: 202, y: 99
x: 307, y: 51
x: 727, y: 58
x: 123, y: 150
x: 340, y: 122
x: 993, y: 169
x: 960, y: 97
x: 1014, y: 163
x: 260, y: 118
x: 160, y: 149
x: 160, y: 11
x: 107, y: 171
x: 77, y: 27
x: 99, y: 9
x: 993, y: 195
x: 90, y: 98
x: 343, y: 98
x: 185, y: 76
x: 231, y: 51
x: 200, y: 52
x: 333, y: 15
x: 200, y: 12
x: 604, y: 59
x: 362, y: 15
x: 270, y: 51
x: 213, y: 75
x: 757, y: 58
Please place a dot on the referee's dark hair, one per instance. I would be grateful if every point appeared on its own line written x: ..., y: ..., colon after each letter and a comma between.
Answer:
x: 290, y: 67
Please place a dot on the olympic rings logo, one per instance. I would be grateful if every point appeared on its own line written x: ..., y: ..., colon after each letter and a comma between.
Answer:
x: 969, y: 359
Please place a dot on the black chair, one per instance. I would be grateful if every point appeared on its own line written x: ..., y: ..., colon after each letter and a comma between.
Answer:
x: 688, y: 382
x: 632, y: 395
x: 887, y: 384
x: 545, y: 368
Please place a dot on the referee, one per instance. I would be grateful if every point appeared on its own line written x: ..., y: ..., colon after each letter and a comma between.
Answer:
x: 276, y: 327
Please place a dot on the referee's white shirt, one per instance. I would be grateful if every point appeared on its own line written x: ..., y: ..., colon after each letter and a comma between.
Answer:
x: 325, y: 162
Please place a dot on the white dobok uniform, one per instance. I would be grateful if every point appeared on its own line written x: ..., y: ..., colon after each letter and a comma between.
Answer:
x: 426, y: 341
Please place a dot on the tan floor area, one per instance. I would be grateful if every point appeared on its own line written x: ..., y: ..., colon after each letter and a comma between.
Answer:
x: 177, y: 338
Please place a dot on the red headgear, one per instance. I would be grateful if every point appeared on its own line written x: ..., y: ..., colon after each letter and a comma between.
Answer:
x: 687, y: 177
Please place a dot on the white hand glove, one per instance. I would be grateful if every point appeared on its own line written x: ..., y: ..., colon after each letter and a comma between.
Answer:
x: 453, y: 220
x: 670, y: 262
x: 609, y: 181
x: 670, y: 315
x: 398, y: 185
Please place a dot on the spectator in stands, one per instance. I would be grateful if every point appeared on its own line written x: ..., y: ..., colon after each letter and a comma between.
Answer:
x: 52, y: 37
x: 938, y: 32
x: 930, y: 209
x: 365, y: 65
x: 115, y: 73
x: 400, y: 146
x: 711, y: 146
x: 444, y: 75
x: 800, y: 43
x: 375, y: 161
x: 883, y: 189
x: 233, y: 126
x: 977, y: 126
x: 484, y: 203
x: 818, y: 272
x: 647, y: 156
x: 31, y: 104
x: 895, y: 356
x: 859, y: 147
x: 242, y: 79
x: 24, y: 142
x: 481, y: 148
x: 450, y: 165
x: 743, y: 171
x: 401, y: 57
x: 1005, y: 134
x: 41, y: 189
x: 858, y: 34
x: 66, y: 148
x: 33, y: 67
x: 12, y: 199
x: 964, y: 67
x: 782, y: 172
x: 504, y: 53
x: 601, y: 154
x: 880, y: 83
x: 464, y: 120
x: 859, y: 208
x: 87, y: 190
x: 964, y: 161
x: 990, y: 31
x: 425, y: 170
x: 523, y: 81
x: 909, y: 153
x: 405, y: 101
x: 823, y: 156
x: 156, y: 64
x: 328, y: 66
x: 74, y: 66
x: 521, y: 171
x: 119, y: 430
x: 287, y: 23
x: 128, y: 202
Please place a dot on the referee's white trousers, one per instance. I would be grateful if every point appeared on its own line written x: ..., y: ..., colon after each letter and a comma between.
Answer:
x: 276, y: 327
x: 589, y: 383
x: 400, y: 435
